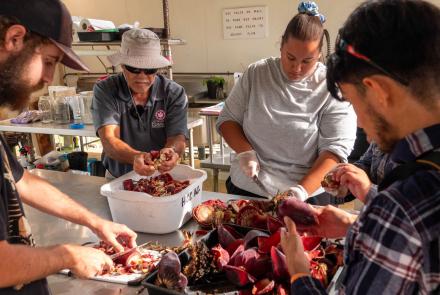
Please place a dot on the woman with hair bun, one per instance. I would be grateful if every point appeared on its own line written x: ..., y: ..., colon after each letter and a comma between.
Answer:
x: 280, y: 119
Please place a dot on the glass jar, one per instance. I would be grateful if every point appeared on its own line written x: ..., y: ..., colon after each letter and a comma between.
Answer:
x: 61, y: 110
x: 45, y: 105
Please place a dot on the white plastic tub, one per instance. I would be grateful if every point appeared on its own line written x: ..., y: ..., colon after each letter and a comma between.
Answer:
x: 159, y: 215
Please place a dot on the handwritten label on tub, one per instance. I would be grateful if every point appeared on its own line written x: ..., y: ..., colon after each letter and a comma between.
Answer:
x: 191, y: 195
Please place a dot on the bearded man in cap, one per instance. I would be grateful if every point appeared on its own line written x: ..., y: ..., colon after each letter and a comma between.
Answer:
x: 138, y: 110
x: 34, y: 36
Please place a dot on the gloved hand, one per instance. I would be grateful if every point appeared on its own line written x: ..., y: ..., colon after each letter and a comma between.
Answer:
x: 299, y: 192
x: 249, y: 163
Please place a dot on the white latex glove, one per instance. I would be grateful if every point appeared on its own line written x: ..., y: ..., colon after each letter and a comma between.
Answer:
x: 249, y: 163
x: 299, y: 192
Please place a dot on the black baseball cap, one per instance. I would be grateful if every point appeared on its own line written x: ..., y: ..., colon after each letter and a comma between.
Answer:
x: 48, y: 18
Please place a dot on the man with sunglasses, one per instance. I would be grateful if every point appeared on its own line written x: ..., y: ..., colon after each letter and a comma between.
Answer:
x: 138, y: 110
x: 387, y: 64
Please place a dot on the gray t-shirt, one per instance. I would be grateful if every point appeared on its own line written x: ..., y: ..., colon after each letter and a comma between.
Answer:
x: 288, y: 123
x: 164, y: 115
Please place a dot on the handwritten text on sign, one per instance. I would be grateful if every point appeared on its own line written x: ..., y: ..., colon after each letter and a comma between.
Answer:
x: 245, y: 22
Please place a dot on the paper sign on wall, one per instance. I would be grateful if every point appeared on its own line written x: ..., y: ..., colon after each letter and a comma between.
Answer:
x: 245, y: 22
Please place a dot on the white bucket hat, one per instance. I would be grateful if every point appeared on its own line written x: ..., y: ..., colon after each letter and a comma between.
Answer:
x: 140, y: 48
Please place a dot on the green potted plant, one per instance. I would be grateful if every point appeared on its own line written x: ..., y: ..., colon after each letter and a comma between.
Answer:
x: 215, y: 86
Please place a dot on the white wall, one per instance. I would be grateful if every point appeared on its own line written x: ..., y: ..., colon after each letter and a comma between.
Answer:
x: 199, y: 22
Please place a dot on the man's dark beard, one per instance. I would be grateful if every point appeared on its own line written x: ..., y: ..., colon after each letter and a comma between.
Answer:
x: 386, y: 137
x: 15, y: 91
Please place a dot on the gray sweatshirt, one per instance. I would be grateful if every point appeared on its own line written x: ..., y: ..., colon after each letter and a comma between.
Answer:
x: 288, y: 123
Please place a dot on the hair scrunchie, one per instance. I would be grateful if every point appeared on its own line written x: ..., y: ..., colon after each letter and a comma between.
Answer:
x: 310, y: 8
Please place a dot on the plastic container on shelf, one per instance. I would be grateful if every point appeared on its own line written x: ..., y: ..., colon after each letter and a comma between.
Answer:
x: 158, y: 215
x: 87, y: 97
x: 98, y: 36
x: 77, y: 106
x: 58, y: 90
x: 160, y: 32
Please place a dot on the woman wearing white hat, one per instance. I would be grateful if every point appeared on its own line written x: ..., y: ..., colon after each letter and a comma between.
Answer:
x: 138, y: 110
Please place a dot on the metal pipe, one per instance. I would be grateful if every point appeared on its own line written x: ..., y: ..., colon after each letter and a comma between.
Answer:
x: 166, y: 19
x: 93, y: 141
x: 166, y: 25
x: 178, y: 73
x: 88, y: 75
x: 99, y: 74
x: 204, y: 74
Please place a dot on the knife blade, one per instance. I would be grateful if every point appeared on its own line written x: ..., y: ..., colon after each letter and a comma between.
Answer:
x: 261, y: 186
x: 119, y: 254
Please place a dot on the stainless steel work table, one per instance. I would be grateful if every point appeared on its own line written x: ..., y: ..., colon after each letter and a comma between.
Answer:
x: 49, y: 230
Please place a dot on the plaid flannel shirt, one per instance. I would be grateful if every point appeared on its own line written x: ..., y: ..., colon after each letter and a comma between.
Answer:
x: 376, y: 164
x: 394, y: 245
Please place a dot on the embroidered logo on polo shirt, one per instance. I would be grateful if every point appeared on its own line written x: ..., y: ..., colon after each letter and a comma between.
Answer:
x: 159, y: 119
x: 160, y: 115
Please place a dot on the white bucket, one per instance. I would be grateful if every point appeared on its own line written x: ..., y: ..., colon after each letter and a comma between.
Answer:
x: 158, y: 215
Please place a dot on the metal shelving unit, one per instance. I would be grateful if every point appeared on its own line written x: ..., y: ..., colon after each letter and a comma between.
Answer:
x: 100, y: 49
x: 97, y: 49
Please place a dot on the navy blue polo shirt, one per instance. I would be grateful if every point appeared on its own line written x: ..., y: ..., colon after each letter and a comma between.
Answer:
x: 164, y: 115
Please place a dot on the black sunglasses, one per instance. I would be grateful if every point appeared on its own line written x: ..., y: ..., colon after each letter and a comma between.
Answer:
x: 348, y: 48
x: 138, y: 71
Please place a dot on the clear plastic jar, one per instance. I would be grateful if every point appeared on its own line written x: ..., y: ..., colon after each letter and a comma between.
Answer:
x: 87, y: 97
x: 77, y: 106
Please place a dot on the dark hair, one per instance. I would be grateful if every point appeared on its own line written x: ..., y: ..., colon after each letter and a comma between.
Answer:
x: 401, y: 39
x: 305, y: 27
x: 32, y: 40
